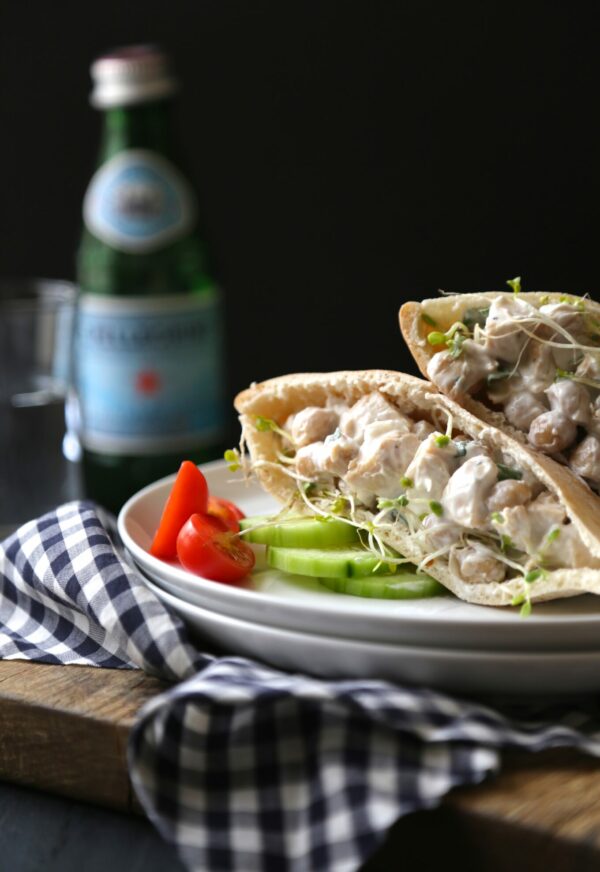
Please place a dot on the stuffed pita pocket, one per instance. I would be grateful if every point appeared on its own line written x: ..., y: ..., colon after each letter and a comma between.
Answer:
x: 488, y: 518
x: 529, y: 362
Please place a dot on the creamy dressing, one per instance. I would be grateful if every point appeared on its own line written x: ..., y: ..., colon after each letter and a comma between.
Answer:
x: 462, y: 498
x: 514, y: 357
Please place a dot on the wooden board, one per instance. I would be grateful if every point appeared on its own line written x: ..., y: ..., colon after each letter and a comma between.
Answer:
x: 64, y: 729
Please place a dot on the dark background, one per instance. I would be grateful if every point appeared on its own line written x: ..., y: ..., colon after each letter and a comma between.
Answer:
x: 348, y: 155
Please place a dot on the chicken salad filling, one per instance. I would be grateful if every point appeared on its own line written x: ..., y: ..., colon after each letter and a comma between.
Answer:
x: 539, y: 365
x: 493, y: 520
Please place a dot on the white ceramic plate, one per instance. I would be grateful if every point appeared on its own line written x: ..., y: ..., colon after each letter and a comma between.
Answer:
x: 297, y: 603
x: 512, y: 674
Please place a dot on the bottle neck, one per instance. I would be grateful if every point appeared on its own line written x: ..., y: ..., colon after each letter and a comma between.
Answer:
x: 146, y: 125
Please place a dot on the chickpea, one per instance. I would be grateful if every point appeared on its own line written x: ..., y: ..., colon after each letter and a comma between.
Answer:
x: 477, y: 564
x: 538, y: 368
x: 509, y: 493
x: 440, y: 532
x: 585, y: 459
x: 552, y: 432
x: 522, y: 408
x: 459, y: 375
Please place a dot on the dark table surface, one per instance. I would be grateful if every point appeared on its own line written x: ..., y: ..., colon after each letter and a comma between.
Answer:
x: 43, y: 833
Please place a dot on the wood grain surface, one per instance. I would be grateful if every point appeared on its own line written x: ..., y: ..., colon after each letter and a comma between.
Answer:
x: 64, y: 729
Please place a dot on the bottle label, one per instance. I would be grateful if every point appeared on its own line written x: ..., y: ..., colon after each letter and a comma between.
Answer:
x: 149, y: 373
x: 137, y: 202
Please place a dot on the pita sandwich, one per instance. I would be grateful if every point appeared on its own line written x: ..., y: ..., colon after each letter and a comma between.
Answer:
x: 525, y: 362
x: 495, y: 522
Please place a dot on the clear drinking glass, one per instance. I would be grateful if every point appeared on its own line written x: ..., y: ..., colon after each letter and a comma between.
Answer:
x: 36, y: 329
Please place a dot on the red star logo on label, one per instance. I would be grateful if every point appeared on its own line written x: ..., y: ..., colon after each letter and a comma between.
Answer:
x: 147, y: 382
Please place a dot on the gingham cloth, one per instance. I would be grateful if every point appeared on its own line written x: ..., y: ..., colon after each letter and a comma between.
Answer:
x: 241, y: 766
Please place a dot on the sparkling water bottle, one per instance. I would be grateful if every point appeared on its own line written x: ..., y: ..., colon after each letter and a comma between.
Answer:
x: 149, y: 338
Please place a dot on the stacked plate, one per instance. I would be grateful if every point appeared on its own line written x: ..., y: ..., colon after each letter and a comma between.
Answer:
x: 295, y: 623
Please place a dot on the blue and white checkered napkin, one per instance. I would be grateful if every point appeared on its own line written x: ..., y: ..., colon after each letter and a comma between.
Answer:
x: 241, y: 766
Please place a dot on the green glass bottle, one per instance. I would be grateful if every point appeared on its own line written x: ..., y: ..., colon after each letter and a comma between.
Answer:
x: 149, y: 338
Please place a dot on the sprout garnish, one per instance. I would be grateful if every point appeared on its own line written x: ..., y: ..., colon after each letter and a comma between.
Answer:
x: 325, y: 500
x: 263, y: 425
x: 233, y: 459
x: 453, y: 338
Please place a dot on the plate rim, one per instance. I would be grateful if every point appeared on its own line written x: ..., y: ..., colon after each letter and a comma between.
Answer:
x: 465, y: 654
x: 224, y: 592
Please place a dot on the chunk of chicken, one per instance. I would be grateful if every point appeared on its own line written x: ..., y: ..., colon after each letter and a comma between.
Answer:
x: 371, y: 408
x: 441, y: 533
x: 337, y: 404
x: 589, y: 367
x: 571, y: 399
x: 585, y: 459
x: 466, y: 494
x: 380, y: 465
x: 312, y: 424
x: 477, y: 564
x: 466, y: 449
x: 568, y: 317
x: 423, y: 429
x: 567, y: 549
x: 537, y: 368
x: 380, y: 428
x: 552, y: 432
x: 522, y: 408
x: 431, y: 468
x: 309, y: 461
x: 337, y: 453
x: 458, y: 375
x: 504, y: 339
x: 564, y: 548
x: 528, y: 526
x: 508, y: 493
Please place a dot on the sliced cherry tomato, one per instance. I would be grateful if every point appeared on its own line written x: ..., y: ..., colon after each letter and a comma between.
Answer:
x: 189, y: 494
x: 227, y: 511
x: 213, y: 553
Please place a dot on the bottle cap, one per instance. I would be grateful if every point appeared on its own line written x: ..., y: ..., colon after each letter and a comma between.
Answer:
x: 133, y: 74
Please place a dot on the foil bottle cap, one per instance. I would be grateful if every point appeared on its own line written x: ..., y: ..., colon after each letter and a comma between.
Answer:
x: 129, y: 75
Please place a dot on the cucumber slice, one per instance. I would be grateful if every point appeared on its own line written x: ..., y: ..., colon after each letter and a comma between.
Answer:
x: 327, y: 562
x: 403, y: 585
x: 298, y: 532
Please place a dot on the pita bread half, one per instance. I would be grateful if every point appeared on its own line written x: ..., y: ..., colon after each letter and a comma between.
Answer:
x: 415, y: 323
x: 280, y: 397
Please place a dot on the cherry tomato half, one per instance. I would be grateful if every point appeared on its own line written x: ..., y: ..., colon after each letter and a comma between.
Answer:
x: 189, y: 494
x: 227, y: 511
x: 213, y: 553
